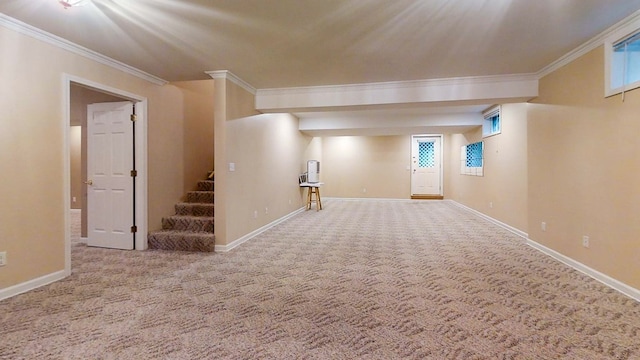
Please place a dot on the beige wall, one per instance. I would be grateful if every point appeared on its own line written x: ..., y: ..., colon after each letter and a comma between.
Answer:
x: 366, y: 166
x: 75, y: 163
x: 32, y: 143
x: 584, y: 173
x: 198, y: 113
x: 502, y: 192
x: 267, y: 151
x: 230, y: 102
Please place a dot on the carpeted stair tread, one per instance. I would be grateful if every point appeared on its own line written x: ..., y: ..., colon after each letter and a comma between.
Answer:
x: 200, y: 197
x: 188, y: 223
x: 182, y: 240
x: 205, y: 185
x: 194, y: 209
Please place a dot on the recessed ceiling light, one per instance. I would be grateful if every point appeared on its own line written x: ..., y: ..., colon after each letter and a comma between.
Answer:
x: 72, y: 3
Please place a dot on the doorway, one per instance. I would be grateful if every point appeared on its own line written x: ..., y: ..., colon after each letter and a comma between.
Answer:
x: 426, y: 166
x: 78, y: 93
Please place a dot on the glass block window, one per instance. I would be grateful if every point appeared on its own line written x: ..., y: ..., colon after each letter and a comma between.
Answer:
x: 472, y: 159
x: 426, y: 155
x: 474, y: 155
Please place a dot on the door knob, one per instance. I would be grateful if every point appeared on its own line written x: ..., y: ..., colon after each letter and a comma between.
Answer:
x: 89, y: 182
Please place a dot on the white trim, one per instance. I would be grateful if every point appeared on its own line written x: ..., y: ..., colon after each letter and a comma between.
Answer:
x: 26, y: 29
x: 228, y: 75
x: 141, y: 150
x: 605, y: 279
x: 32, y: 284
x: 375, y: 199
x: 621, y: 33
x: 516, y: 231
x: 505, y: 88
x: 588, y: 46
x: 249, y: 236
x: 441, y: 152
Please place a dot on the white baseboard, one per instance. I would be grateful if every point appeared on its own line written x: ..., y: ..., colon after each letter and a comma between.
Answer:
x: 605, y: 279
x: 32, y: 284
x: 518, y: 232
x: 240, y: 241
x: 372, y: 199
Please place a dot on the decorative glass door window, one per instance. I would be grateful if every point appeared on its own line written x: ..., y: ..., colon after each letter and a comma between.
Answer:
x: 426, y: 154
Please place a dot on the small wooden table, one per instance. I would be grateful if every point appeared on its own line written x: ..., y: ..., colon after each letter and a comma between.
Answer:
x: 313, y: 188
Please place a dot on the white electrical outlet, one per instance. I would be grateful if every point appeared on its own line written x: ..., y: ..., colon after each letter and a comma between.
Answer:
x: 266, y: 210
x: 585, y: 241
x: 364, y: 190
x: 232, y: 166
x: 543, y: 226
x: 255, y: 214
x: 3, y: 258
x: 490, y: 204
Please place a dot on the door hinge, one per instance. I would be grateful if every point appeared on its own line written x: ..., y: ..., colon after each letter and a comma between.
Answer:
x: 134, y: 229
x: 134, y: 173
x: 134, y: 117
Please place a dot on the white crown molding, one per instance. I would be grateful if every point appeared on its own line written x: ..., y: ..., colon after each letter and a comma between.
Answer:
x: 228, y: 75
x: 26, y: 29
x: 592, y: 44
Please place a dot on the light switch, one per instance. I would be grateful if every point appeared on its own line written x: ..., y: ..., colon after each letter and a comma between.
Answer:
x: 232, y: 166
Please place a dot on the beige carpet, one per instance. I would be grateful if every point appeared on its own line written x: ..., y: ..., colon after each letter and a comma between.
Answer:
x: 358, y: 280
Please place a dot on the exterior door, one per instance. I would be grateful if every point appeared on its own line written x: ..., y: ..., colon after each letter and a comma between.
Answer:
x: 110, y: 188
x: 426, y: 165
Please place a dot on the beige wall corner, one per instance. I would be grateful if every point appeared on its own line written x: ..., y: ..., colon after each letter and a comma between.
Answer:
x: 33, y: 145
x: 198, y: 114
x: 501, y: 192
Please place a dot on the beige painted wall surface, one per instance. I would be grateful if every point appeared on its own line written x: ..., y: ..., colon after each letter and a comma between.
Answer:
x: 267, y: 151
x: 75, y: 162
x: 198, y: 130
x: 32, y: 143
x: 230, y: 102
x: 502, y: 192
x: 366, y: 167
x: 584, y: 171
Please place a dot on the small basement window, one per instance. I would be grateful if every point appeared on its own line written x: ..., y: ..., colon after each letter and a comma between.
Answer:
x: 491, y: 124
x: 622, y: 60
x: 472, y: 159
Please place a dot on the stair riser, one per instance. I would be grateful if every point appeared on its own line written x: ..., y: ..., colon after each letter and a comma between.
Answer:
x: 194, y: 209
x: 200, y: 197
x: 181, y: 241
x: 196, y: 224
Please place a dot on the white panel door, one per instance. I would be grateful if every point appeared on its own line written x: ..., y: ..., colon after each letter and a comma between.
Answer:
x: 109, y: 181
x: 426, y: 165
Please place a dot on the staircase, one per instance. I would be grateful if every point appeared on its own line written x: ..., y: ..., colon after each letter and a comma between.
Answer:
x: 191, y: 228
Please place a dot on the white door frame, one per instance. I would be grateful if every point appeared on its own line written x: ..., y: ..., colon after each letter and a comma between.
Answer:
x: 441, y: 158
x: 140, y: 153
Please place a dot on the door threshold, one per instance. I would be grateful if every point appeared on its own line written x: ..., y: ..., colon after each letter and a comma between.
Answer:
x: 427, y: 197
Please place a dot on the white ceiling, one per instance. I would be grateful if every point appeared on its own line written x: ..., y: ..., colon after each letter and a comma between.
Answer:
x: 301, y: 43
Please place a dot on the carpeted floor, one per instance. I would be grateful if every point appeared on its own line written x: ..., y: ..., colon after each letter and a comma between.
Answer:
x: 358, y: 280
